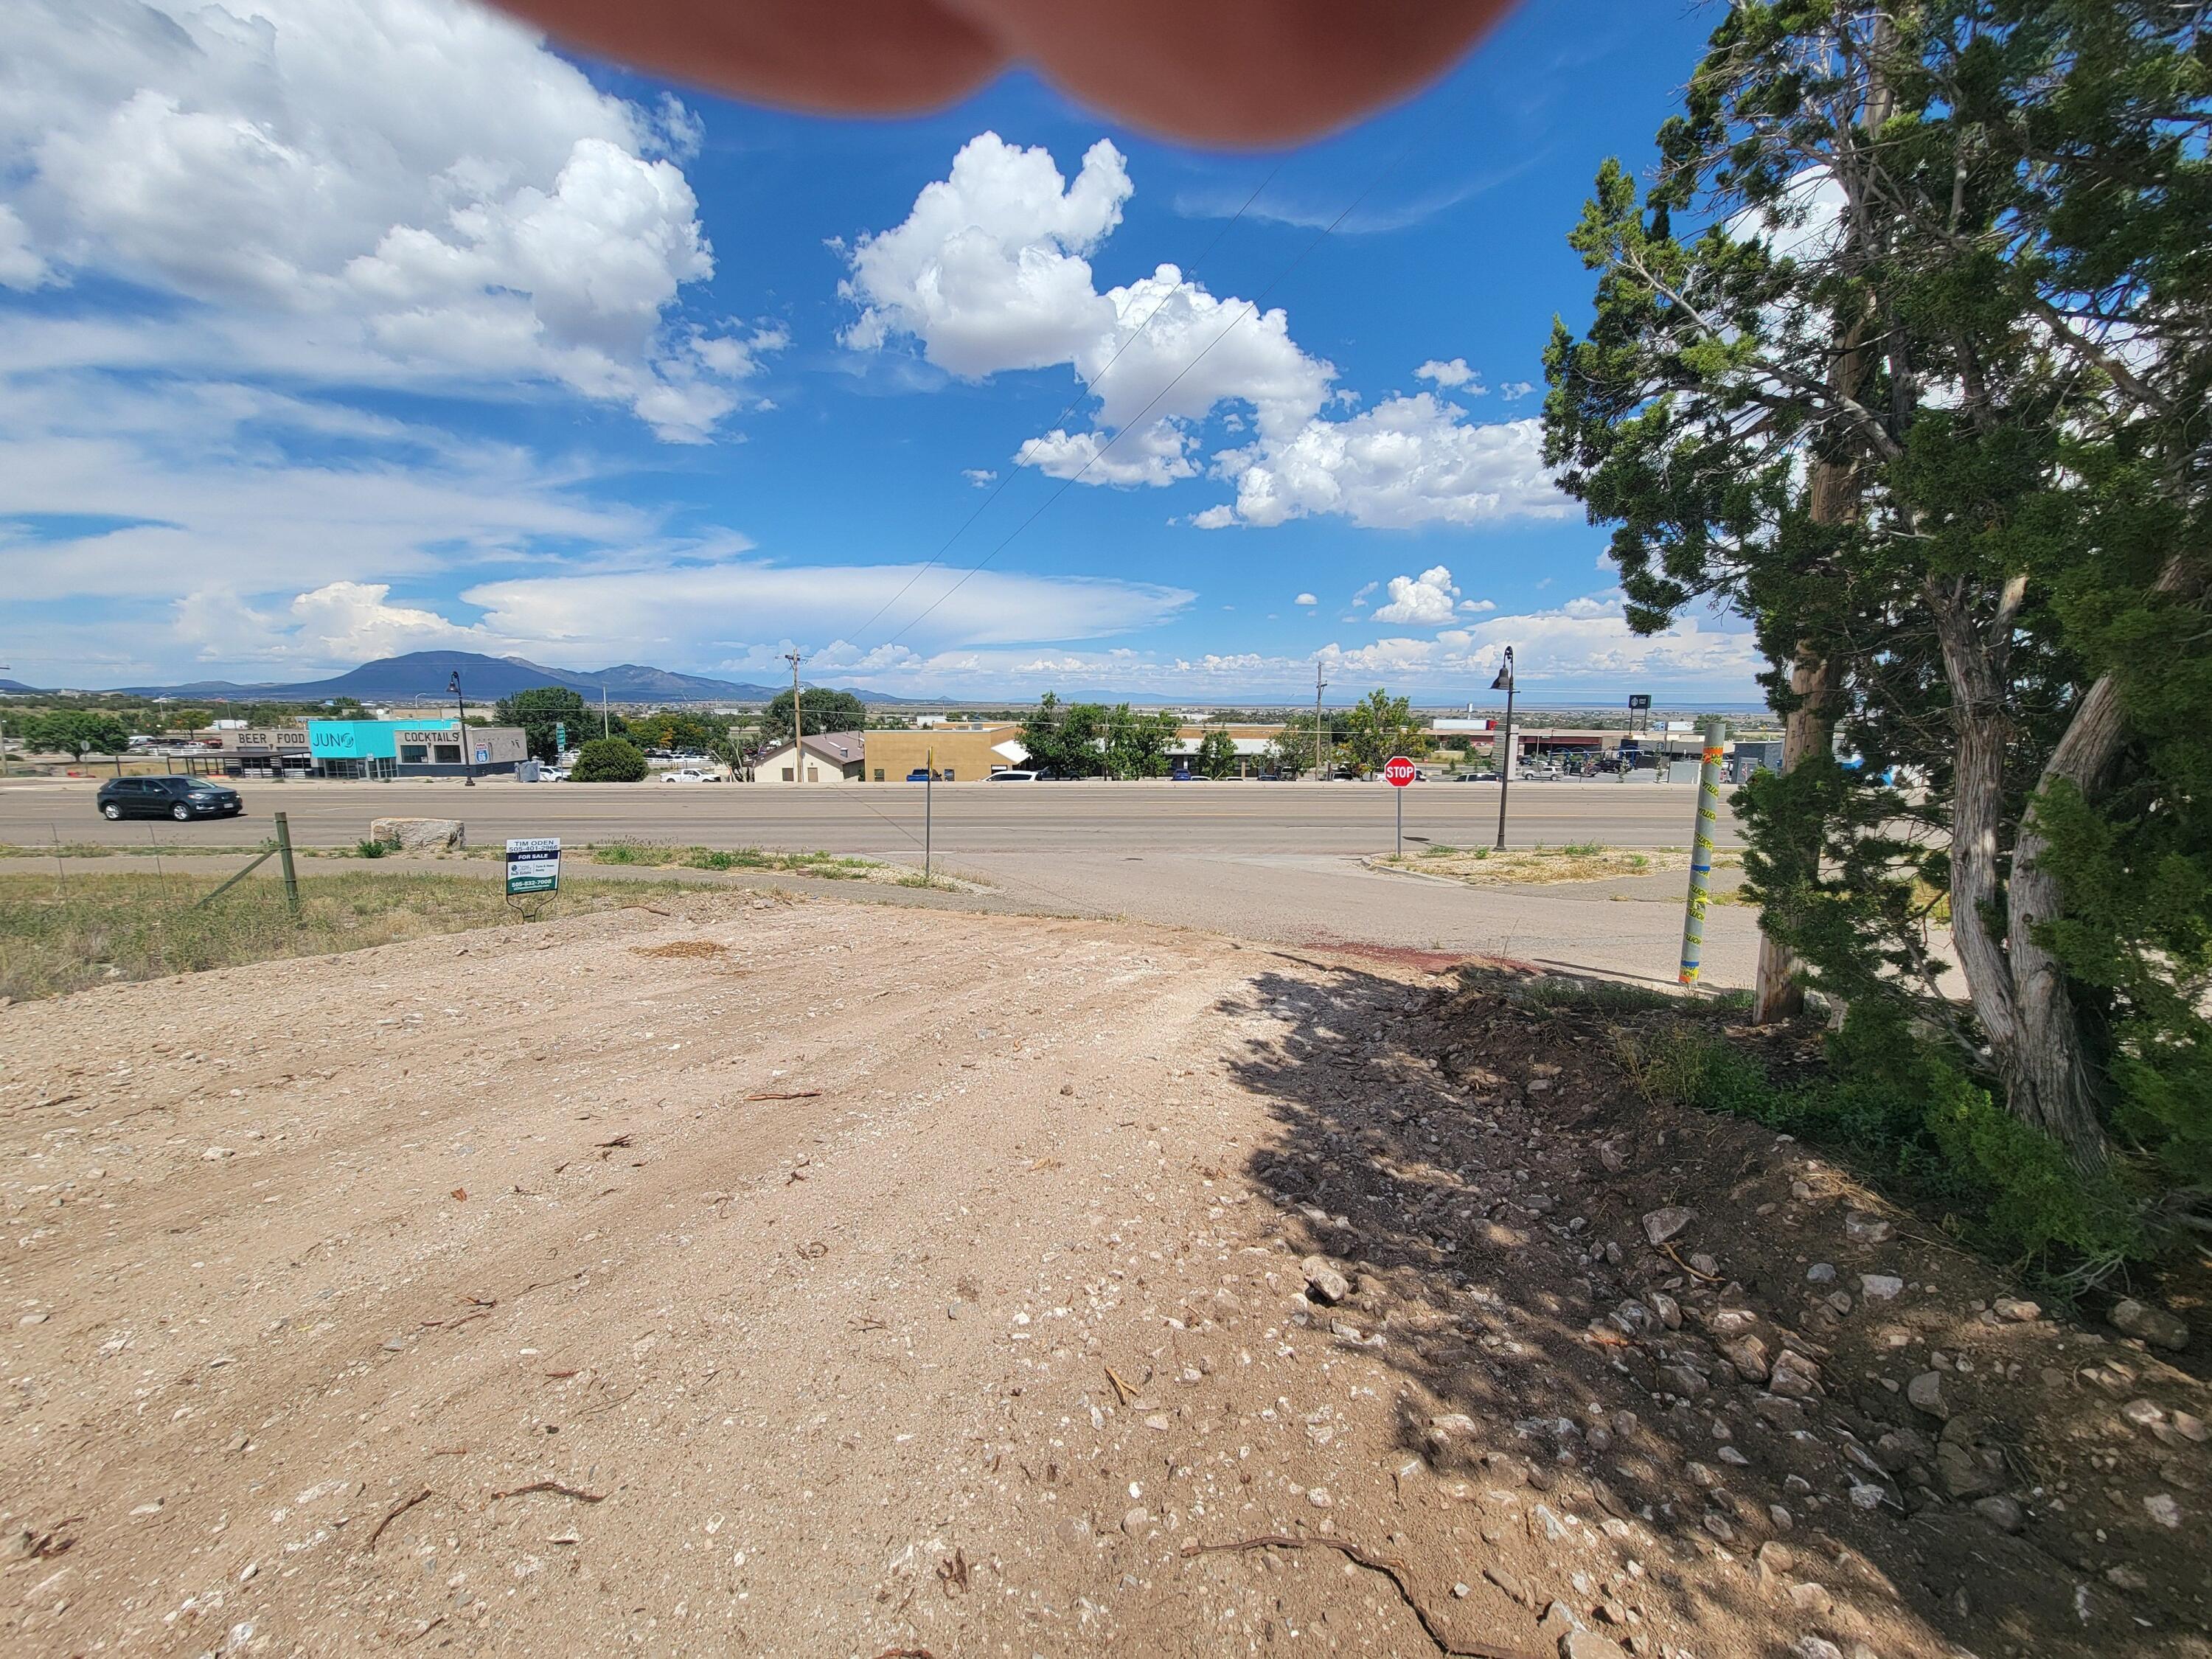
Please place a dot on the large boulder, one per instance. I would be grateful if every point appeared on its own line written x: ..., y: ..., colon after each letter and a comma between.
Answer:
x: 420, y: 834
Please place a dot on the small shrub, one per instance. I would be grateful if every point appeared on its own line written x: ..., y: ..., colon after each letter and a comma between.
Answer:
x: 609, y: 760
x: 1905, y: 1108
x: 371, y: 849
x: 633, y: 853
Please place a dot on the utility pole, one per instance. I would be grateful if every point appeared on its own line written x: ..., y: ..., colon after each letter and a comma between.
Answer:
x: 1320, y: 776
x: 606, y: 727
x: 798, y: 722
x: 460, y: 708
x: 1504, y: 751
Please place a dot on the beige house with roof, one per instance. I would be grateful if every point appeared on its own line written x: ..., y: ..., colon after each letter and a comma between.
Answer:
x: 828, y: 757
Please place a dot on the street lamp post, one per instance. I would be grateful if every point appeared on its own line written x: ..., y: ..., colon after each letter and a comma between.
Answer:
x: 1505, y: 683
x: 461, y: 708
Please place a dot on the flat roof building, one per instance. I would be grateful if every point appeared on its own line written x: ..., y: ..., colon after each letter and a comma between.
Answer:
x: 958, y: 754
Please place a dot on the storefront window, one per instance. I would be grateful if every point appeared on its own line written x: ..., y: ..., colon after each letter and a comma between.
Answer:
x: 414, y: 754
x: 449, y: 754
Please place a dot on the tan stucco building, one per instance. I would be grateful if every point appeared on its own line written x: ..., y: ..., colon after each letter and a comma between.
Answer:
x: 960, y: 754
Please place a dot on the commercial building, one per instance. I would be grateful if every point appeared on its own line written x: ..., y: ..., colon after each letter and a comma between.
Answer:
x: 958, y: 754
x: 831, y: 757
x: 369, y: 748
x: 1251, y: 744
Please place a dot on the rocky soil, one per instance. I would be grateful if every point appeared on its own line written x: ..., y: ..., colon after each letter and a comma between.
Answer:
x: 740, y: 1277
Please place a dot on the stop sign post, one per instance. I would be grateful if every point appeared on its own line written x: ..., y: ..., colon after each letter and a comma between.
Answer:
x: 1398, y: 772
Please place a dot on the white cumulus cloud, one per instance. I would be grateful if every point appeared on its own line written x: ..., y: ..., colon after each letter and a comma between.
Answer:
x: 1452, y: 376
x: 400, y: 191
x: 992, y: 272
x: 989, y: 272
x: 1305, y: 599
x: 1427, y: 599
x: 1408, y: 461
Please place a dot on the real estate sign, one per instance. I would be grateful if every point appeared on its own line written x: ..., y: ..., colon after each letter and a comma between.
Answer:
x: 533, y: 865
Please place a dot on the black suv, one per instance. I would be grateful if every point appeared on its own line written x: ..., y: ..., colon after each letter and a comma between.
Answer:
x: 171, y: 797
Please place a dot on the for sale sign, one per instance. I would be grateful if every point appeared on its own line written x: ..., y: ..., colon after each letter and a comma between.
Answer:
x: 533, y: 865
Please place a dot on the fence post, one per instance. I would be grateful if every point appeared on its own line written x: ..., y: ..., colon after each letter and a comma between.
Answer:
x: 284, y: 858
x: 1701, y: 852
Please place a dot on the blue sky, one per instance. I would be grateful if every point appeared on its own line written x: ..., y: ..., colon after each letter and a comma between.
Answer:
x: 335, y: 328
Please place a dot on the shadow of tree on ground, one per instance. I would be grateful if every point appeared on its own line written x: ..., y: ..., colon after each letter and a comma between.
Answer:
x: 1479, y: 1166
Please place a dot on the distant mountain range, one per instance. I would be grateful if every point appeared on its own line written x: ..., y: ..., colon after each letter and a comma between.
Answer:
x: 15, y: 685
x: 423, y: 676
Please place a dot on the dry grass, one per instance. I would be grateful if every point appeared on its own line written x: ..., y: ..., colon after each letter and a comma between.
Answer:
x: 62, y: 934
x: 825, y: 866
x: 1541, y: 866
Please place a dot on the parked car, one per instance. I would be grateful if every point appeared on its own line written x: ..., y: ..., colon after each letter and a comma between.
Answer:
x: 183, y: 798
x: 552, y: 775
x: 689, y: 774
x: 1013, y: 774
x: 920, y: 775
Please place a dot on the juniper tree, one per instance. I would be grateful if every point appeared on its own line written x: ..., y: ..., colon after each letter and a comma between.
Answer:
x: 1904, y: 355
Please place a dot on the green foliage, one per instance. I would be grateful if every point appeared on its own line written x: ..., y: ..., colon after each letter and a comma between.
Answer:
x: 2137, y: 932
x: 1899, y: 442
x: 371, y: 848
x: 543, y: 711
x: 609, y: 760
x: 1216, y: 754
x: 824, y: 711
x: 1066, y: 740
x: 1137, y: 743
x: 1902, y: 1106
x: 1090, y: 740
x: 1378, y: 727
x: 76, y: 733
x: 1294, y: 752
x: 670, y: 728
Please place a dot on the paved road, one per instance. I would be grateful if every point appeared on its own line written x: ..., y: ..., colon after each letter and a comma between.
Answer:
x: 972, y: 819
x: 1262, y: 861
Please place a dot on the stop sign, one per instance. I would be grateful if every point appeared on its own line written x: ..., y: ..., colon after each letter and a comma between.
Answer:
x: 1399, y: 771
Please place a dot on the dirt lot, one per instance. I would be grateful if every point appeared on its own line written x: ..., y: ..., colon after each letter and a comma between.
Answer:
x: 739, y: 1276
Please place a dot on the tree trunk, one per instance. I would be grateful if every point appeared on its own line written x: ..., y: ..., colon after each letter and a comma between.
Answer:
x: 2017, y: 988
x: 2061, y: 1087
x: 1807, y: 730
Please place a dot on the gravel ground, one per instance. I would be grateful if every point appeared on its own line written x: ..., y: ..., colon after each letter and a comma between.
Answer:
x: 734, y: 1275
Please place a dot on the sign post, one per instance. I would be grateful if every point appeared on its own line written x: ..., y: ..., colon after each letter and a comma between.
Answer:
x: 533, y: 873
x: 1398, y: 772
